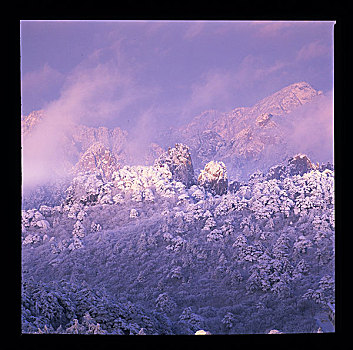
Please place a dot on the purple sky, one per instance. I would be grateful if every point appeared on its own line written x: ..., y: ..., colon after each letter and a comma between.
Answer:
x: 119, y: 73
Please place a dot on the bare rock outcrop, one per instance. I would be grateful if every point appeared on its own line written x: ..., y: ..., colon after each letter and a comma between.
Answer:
x: 296, y: 165
x: 300, y: 164
x: 98, y: 158
x: 247, y: 138
x: 178, y: 159
x: 214, y: 178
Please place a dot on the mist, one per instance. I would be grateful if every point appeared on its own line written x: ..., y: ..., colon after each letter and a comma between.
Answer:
x: 43, y: 155
x: 309, y: 129
x: 93, y: 95
x: 110, y: 98
x: 49, y: 152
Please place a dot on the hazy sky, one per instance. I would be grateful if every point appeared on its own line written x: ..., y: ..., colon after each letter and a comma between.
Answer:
x: 119, y: 73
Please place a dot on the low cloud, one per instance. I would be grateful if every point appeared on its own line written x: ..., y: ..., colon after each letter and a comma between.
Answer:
x: 310, y: 129
x: 226, y: 89
x: 94, y: 96
x: 312, y: 50
x: 38, y: 85
x: 142, y: 135
x: 212, y: 91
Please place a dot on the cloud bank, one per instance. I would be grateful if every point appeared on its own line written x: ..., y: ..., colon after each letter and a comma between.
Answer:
x: 310, y: 129
x: 92, y: 96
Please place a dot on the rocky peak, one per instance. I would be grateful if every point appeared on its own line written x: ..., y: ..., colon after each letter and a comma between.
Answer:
x: 29, y: 122
x: 97, y: 158
x: 297, y: 165
x: 214, y: 178
x: 178, y: 159
x: 287, y: 99
x: 245, y: 135
x: 300, y: 164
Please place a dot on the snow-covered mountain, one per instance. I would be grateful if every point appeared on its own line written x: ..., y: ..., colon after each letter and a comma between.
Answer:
x: 230, y: 231
x: 247, y: 138
x: 97, y: 158
x: 75, y: 139
x: 53, y: 150
x: 150, y: 252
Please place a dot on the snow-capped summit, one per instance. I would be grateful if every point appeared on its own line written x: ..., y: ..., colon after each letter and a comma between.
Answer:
x: 287, y: 99
x: 247, y: 138
x: 300, y: 164
x: 29, y: 122
x: 214, y: 178
x: 178, y: 159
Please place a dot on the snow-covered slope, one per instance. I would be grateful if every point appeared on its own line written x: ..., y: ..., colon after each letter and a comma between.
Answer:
x: 225, y: 260
x: 232, y: 232
x: 247, y: 138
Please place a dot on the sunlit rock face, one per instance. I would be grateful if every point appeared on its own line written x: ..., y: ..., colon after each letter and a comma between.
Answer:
x: 99, y: 159
x: 247, y: 138
x: 178, y: 159
x: 287, y: 99
x: 296, y: 165
x: 214, y: 178
x: 29, y: 122
x: 300, y: 164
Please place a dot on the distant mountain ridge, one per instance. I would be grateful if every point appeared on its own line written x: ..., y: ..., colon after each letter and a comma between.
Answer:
x: 230, y: 123
x: 246, y: 138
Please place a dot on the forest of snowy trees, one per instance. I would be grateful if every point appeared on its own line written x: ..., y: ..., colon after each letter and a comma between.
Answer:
x: 155, y: 252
